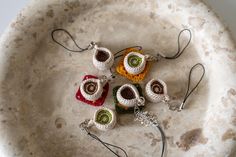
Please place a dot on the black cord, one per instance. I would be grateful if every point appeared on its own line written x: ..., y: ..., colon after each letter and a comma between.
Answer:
x: 163, y: 137
x: 187, y: 94
x: 179, y: 51
x: 105, y: 144
x: 65, y: 31
x: 139, y: 47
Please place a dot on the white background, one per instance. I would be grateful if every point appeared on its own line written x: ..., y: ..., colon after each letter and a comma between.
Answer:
x: 226, y: 9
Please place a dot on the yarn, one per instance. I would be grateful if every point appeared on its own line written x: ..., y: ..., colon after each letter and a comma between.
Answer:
x: 104, y: 119
x: 127, y: 95
x: 91, y: 89
x: 156, y: 91
x: 120, y: 108
x: 101, y: 98
x: 103, y: 58
x: 134, y: 63
x: 122, y: 70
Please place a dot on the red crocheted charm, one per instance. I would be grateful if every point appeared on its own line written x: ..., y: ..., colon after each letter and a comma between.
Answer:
x: 98, y: 102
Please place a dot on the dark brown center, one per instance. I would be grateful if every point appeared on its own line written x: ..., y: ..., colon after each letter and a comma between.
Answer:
x: 102, y: 56
x: 157, y: 87
x: 90, y: 87
x: 127, y: 93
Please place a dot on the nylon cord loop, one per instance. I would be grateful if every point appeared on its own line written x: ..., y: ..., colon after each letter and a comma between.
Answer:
x: 80, y: 49
x: 189, y: 92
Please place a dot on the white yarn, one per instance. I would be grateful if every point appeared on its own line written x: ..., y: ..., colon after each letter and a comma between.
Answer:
x: 134, y: 70
x: 105, y: 127
x: 126, y: 102
x: 103, y: 65
x: 153, y: 97
x: 94, y: 96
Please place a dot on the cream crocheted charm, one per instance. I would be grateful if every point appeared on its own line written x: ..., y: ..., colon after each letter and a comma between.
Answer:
x: 128, y: 95
x: 91, y: 89
x: 134, y: 63
x: 104, y: 119
x: 156, y: 91
x: 103, y: 58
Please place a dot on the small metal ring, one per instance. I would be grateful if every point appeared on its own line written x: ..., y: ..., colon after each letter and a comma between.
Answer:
x: 141, y: 101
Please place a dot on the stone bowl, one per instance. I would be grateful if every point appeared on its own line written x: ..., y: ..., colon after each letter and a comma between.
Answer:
x: 40, y: 116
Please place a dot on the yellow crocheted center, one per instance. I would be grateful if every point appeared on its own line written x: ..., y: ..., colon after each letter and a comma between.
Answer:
x: 121, y: 69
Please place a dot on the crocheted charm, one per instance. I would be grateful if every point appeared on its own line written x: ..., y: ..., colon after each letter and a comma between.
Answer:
x: 93, y: 91
x: 104, y: 119
x: 134, y: 65
x: 103, y: 58
x: 156, y: 91
x: 127, y: 96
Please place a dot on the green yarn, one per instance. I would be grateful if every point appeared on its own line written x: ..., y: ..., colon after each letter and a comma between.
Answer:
x: 120, y: 109
x: 104, y: 117
x: 134, y: 61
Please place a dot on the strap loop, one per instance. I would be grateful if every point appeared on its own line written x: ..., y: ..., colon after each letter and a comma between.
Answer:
x: 189, y: 92
x: 89, y: 47
x: 179, y: 51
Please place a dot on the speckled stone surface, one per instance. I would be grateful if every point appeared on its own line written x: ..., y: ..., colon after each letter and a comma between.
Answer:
x: 39, y: 115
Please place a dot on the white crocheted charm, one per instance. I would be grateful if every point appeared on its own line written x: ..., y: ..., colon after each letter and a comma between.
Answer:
x: 128, y: 95
x: 134, y: 63
x: 103, y: 58
x: 156, y: 91
x: 104, y: 119
x: 91, y: 89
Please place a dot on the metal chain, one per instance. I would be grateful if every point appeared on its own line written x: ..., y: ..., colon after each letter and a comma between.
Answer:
x: 149, y: 119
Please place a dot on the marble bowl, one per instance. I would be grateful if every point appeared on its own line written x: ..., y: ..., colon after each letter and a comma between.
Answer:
x: 40, y: 116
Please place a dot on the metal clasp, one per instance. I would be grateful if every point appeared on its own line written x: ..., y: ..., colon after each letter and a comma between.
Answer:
x: 92, y: 45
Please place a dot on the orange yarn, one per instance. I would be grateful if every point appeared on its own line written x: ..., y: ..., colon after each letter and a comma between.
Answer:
x: 121, y: 69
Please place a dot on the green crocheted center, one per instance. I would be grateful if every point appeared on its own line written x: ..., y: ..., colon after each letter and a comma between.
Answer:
x: 134, y: 61
x: 104, y: 117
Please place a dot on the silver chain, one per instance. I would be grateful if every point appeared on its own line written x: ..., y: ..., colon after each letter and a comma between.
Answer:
x: 145, y: 118
x: 149, y: 119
